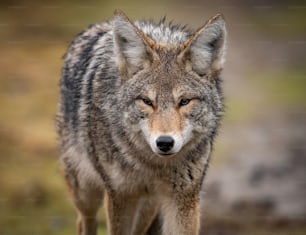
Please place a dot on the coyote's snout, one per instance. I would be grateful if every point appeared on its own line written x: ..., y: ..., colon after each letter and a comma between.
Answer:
x: 140, y: 106
x: 166, y: 144
x: 166, y: 132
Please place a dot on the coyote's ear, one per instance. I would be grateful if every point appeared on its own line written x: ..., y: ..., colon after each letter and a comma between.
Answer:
x: 205, y: 50
x: 132, y: 48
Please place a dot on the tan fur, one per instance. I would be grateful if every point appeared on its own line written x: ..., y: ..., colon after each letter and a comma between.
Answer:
x: 166, y: 122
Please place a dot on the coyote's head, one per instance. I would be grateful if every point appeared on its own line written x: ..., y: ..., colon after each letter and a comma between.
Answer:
x: 170, y: 86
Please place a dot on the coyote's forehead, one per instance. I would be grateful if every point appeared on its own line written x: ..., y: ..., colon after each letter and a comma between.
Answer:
x: 156, y: 84
x: 168, y: 92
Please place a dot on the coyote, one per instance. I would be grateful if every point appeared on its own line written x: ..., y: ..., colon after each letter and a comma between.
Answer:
x: 139, y: 108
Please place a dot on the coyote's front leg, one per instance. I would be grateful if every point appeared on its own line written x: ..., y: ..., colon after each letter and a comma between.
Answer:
x: 181, y: 216
x: 120, y: 211
x: 146, y: 213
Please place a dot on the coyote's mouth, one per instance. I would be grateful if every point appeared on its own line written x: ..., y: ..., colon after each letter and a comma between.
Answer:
x: 166, y: 154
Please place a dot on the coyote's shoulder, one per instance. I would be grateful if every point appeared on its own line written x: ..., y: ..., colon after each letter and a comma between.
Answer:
x: 139, y: 108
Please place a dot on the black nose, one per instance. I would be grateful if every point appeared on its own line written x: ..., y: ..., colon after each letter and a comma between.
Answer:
x: 165, y: 143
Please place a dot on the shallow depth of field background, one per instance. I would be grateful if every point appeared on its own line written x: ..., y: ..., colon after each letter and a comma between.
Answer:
x: 257, y: 180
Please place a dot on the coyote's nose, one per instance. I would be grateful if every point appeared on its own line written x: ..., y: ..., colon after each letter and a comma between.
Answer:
x: 165, y: 143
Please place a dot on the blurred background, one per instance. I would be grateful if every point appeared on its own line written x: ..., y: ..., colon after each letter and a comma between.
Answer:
x: 256, y: 183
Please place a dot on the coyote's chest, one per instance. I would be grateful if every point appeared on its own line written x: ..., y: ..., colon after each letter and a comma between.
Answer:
x: 146, y: 181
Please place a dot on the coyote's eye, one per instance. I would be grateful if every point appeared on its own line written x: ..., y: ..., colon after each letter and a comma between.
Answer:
x: 184, y: 102
x: 147, y: 102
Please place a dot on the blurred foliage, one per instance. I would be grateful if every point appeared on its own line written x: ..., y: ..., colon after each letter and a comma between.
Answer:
x: 34, y: 35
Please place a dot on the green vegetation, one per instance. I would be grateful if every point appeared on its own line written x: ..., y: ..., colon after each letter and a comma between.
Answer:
x: 283, y: 88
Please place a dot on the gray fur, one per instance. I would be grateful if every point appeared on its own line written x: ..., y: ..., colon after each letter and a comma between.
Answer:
x: 104, y: 127
x: 208, y: 49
